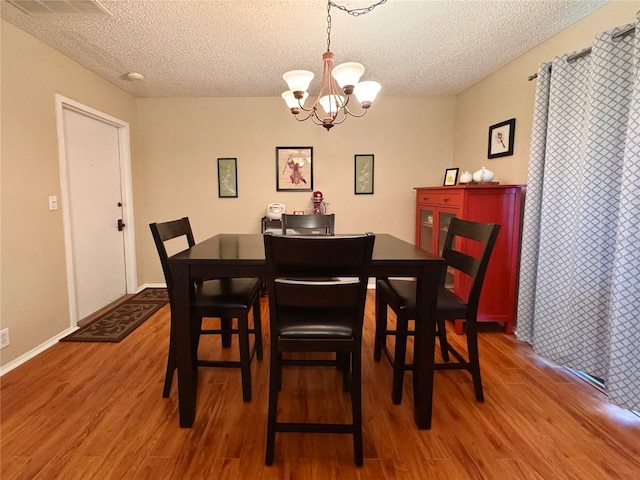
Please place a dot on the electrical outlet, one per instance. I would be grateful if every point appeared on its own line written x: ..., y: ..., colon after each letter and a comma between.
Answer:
x: 4, y: 338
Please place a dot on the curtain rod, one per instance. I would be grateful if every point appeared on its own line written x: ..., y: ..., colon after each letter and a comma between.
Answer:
x: 587, y: 51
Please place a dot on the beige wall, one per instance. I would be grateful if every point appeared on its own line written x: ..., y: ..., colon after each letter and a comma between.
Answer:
x: 507, y: 94
x: 33, y: 275
x: 180, y: 140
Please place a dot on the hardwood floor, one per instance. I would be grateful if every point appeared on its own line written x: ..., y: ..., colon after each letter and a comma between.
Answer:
x: 95, y: 411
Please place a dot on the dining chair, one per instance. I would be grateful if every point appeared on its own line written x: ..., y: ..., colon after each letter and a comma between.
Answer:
x: 310, y: 224
x: 224, y: 298
x: 311, y: 315
x: 467, y: 250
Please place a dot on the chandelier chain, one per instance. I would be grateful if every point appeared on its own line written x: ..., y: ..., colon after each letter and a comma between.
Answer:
x: 329, y: 26
x: 357, y: 11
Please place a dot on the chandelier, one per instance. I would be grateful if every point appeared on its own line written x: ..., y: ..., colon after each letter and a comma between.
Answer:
x: 337, y: 87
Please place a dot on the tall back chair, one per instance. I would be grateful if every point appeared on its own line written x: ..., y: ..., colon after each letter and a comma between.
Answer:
x: 311, y: 315
x: 222, y: 298
x: 322, y: 224
x: 400, y: 296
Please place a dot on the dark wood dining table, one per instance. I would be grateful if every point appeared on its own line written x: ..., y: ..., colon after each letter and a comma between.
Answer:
x: 242, y: 255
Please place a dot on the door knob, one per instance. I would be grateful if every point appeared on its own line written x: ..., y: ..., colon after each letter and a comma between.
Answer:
x: 121, y: 225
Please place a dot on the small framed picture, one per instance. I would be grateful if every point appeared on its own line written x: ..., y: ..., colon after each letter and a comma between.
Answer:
x: 227, y: 178
x: 450, y: 176
x: 294, y: 169
x: 501, y: 137
x: 363, y: 175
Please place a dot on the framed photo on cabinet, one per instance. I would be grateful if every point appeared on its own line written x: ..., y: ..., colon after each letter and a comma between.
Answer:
x: 294, y: 169
x: 450, y: 176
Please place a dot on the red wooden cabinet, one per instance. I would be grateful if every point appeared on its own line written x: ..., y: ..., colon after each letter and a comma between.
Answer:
x: 501, y: 204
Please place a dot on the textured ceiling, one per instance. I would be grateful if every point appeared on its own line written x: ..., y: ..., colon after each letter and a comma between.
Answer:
x: 241, y: 48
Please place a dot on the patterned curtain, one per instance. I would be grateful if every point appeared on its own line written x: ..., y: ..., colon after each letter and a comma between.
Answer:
x: 579, y: 299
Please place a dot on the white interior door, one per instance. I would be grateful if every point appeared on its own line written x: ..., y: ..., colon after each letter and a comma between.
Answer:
x: 92, y: 154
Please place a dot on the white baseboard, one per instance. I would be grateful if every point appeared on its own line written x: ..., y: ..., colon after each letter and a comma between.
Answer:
x: 32, y: 353
x: 54, y: 340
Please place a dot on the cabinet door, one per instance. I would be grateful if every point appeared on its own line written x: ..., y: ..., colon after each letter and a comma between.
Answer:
x: 425, y: 231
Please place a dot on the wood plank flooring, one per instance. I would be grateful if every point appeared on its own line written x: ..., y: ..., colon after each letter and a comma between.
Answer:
x: 95, y: 411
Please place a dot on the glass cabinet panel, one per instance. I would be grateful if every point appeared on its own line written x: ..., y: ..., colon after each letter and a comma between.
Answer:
x: 426, y: 230
x: 444, y: 218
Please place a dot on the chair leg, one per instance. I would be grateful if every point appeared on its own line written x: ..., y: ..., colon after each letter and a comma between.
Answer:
x: 442, y: 334
x: 225, y: 326
x: 381, y: 326
x: 275, y: 381
x: 257, y: 327
x: 346, y: 366
x: 171, y: 365
x: 245, y: 357
x: 474, y: 360
x: 356, y: 404
x: 399, y: 358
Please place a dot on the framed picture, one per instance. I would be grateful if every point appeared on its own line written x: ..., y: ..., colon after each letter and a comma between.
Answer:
x: 227, y: 178
x: 294, y: 169
x: 363, y: 175
x: 451, y: 176
x: 501, y: 137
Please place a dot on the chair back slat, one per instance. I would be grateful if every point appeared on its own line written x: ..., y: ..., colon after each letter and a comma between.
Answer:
x: 317, y: 294
x: 165, y: 231
x: 309, y: 222
x: 477, y: 240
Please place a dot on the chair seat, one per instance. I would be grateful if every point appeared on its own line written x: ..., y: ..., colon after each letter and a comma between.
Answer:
x: 235, y: 293
x: 318, y: 323
x: 402, y: 294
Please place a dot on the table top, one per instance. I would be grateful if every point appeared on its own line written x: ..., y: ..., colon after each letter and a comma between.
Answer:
x: 248, y: 249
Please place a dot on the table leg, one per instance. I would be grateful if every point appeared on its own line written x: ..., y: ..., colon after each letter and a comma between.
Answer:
x: 187, y: 368
x: 424, y: 346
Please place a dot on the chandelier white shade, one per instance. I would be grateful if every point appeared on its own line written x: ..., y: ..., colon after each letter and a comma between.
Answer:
x: 337, y: 87
x: 298, y: 80
x: 331, y: 104
x: 348, y: 74
x: 366, y: 92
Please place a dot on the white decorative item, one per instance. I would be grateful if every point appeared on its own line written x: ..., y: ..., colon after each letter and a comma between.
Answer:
x: 483, y: 175
x: 275, y: 211
x: 466, y: 177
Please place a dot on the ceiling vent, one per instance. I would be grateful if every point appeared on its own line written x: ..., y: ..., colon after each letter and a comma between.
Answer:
x: 60, y: 7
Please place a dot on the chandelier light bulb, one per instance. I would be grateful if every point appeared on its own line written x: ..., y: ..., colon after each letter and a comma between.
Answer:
x: 292, y: 102
x: 331, y: 104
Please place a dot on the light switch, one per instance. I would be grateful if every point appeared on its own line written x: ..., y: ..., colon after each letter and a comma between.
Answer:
x: 53, y: 202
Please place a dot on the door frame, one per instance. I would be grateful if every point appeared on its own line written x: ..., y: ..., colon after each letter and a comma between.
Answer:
x: 124, y: 146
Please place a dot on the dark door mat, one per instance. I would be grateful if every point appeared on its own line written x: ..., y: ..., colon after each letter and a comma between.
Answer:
x: 120, y: 321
